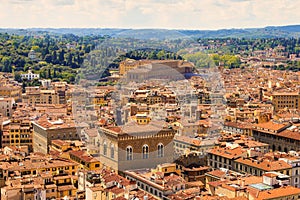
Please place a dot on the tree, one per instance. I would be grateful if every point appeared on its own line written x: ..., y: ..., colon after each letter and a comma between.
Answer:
x: 70, y: 60
x: 54, y: 73
x: 152, y: 55
x: 61, y: 56
x: 49, y: 73
x: 18, y: 77
x: 48, y: 58
x: 45, y: 52
x: 87, y: 49
x: 6, y: 62
x: 54, y: 57
x: 19, y: 63
x: 161, y: 54
x: 199, y: 59
x: 35, y: 48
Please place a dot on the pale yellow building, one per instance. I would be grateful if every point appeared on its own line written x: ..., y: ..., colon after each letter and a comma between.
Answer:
x: 10, y: 90
x: 286, y: 100
x: 34, y: 95
x: 18, y: 133
x: 130, y: 64
x: 6, y: 106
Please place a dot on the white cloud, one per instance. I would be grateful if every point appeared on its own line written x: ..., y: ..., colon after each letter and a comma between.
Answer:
x: 64, y: 2
x: 187, y: 14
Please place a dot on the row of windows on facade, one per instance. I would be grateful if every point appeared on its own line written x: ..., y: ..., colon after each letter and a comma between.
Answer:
x: 21, y: 136
x: 241, y: 168
x: 129, y: 151
x: 7, y: 105
x: 285, y: 102
x: 20, y: 130
x: 64, y: 135
x: 22, y: 141
x: 145, y: 152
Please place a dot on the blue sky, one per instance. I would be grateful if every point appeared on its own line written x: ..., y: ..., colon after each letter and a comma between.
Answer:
x: 173, y: 14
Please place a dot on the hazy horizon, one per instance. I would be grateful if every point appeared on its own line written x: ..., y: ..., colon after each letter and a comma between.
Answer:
x: 149, y: 28
x: 148, y: 14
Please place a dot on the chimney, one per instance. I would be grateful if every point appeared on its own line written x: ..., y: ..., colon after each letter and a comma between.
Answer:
x: 260, y: 94
x: 243, y: 183
x: 239, y: 181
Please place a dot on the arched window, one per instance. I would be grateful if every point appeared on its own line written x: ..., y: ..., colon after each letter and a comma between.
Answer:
x: 129, y: 153
x: 104, y: 148
x: 112, y: 151
x: 160, y: 150
x: 145, y: 151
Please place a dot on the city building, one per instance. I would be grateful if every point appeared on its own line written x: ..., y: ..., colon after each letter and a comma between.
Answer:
x: 164, y: 69
x: 225, y: 157
x: 107, y: 184
x: 45, y: 130
x: 10, y: 90
x: 39, y: 178
x: 238, y: 128
x: 17, y: 132
x: 184, y: 145
x: 32, y: 55
x: 85, y: 160
x: 136, y: 146
x: 61, y: 88
x: 130, y: 64
x: 294, y: 161
x: 260, y: 166
x: 279, y: 136
x: 35, y: 95
x: 30, y: 76
x: 160, y: 182
x: 269, y: 186
x: 281, y: 100
x: 7, y: 104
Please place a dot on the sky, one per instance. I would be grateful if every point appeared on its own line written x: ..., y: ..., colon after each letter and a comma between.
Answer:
x: 166, y: 14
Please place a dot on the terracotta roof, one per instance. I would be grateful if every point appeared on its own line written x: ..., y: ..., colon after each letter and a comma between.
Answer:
x: 217, y: 173
x: 188, y: 140
x: 238, y: 125
x: 92, y: 132
x: 30, y: 164
x: 264, y: 164
x: 84, y: 156
x: 116, y: 190
x: 278, y: 192
x: 66, y: 187
x: 271, y: 125
x: 228, y: 152
x: 290, y: 134
x: 217, y: 183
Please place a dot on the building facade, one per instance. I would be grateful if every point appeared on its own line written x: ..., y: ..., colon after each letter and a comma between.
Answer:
x: 30, y: 76
x: 35, y: 95
x: 44, y: 131
x: 278, y: 136
x: 6, y: 106
x: 136, y: 147
x: 286, y: 100
x: 17, y: 132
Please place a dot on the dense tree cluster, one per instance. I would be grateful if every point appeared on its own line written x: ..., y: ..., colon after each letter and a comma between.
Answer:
x: 66, y: 56
x: 56, y: 56
x: 246, y: 45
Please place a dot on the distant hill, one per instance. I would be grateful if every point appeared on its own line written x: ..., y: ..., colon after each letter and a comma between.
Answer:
x: 290, y: 28
x: 266, y: 32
